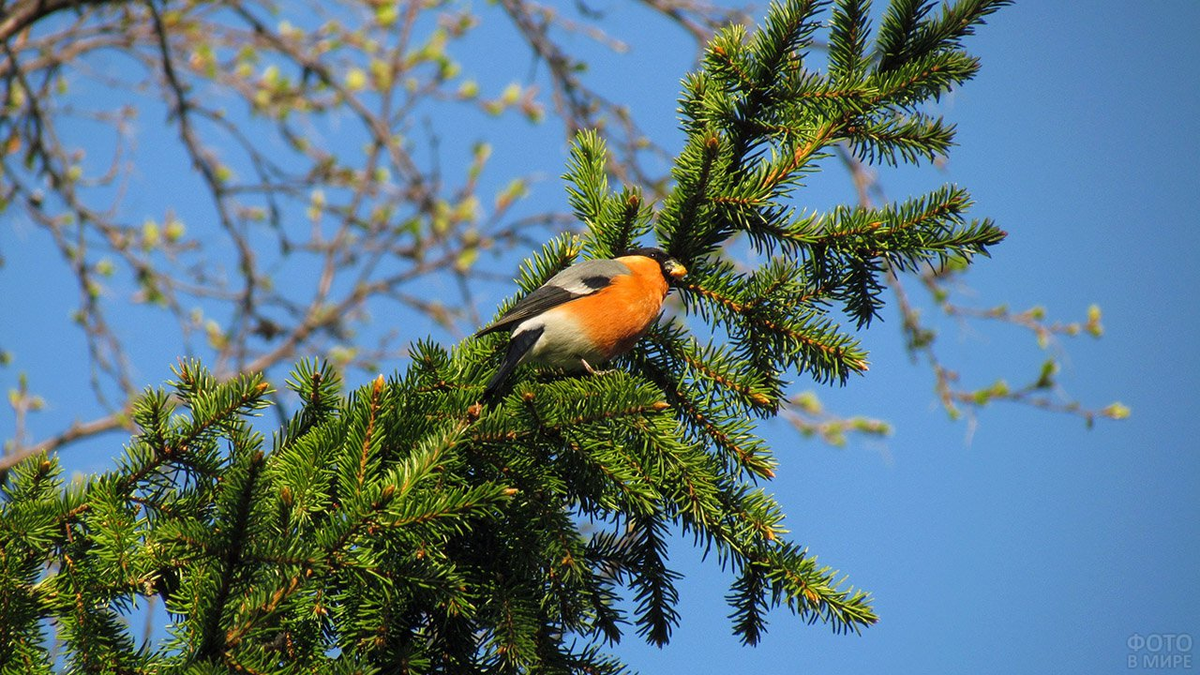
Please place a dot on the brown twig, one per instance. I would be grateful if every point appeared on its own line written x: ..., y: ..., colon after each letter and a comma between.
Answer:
x: 75, y: 432
x: 22, y: 15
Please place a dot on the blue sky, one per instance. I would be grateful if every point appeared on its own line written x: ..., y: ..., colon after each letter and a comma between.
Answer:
x: 1023, y: 543
x: 1036, y: 545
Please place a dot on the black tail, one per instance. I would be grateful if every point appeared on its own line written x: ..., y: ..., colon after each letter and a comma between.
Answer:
x: 518, y: 346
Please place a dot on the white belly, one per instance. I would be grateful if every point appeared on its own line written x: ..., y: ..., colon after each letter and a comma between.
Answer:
x: 562, y: 343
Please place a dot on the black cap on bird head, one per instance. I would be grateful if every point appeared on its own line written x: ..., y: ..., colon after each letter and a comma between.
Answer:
x: 672, y: 269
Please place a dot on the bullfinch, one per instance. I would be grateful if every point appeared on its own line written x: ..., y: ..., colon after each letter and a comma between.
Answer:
x: 586, y: 314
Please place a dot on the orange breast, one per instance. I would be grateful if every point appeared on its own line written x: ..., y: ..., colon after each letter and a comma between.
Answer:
x: 617, y: 316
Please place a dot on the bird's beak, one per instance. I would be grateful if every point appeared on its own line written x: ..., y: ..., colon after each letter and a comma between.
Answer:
x: 675, y: 270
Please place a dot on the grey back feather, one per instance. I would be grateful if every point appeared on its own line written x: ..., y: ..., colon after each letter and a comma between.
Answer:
x: 577, y: 281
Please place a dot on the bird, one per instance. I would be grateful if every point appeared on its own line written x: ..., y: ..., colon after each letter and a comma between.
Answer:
x: 586, y: 314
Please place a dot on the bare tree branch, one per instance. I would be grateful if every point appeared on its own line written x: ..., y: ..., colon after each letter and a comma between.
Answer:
x: 77, y: 431
x: 18, y: 16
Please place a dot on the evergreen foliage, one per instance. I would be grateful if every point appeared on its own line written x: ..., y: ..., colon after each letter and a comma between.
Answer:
x: 402, y: 528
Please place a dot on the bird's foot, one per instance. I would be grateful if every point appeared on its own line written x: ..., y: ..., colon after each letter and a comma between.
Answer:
x: 592, y: 371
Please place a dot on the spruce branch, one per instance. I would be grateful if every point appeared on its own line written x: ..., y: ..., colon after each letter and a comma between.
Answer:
x: 908, y: 32
x: 653, y: 582
x: 849, y: 30
x: 587, y: 181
